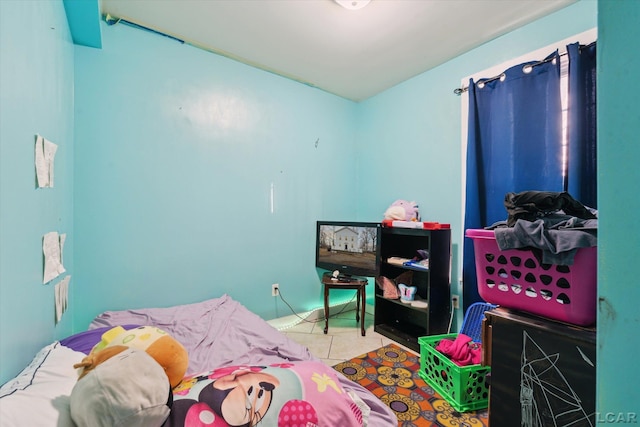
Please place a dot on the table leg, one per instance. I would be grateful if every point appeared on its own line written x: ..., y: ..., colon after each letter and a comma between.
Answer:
x: 364, y: 299
x: 326, y: 309
x: 358, y: 305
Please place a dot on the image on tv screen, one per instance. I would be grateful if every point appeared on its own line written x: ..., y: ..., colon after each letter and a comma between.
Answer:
x: 349, y: 245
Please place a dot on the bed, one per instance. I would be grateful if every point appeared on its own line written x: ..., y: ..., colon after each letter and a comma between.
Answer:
x: 218, y: 333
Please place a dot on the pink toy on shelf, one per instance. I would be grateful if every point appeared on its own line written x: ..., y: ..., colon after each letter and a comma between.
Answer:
x: 402, y: 210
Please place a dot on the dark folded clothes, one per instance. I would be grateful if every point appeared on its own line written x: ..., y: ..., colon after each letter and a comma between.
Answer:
x: 532, y: 205
x: 557, y: 244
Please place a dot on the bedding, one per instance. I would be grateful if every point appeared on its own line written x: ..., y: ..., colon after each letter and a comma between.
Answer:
x: 285, y: 395
x: 221, y: 337
x: 39, y: 395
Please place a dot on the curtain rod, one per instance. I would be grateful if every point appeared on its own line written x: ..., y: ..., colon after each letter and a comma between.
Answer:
x: 460, y: 90
x: 110, y: 20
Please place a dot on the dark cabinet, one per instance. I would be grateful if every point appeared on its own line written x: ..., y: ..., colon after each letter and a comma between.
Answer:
x: 543, y: 372
x: 403, y: 322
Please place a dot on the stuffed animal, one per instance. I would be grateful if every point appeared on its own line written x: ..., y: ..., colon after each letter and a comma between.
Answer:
x: 166, y: 350
x: 127, y: 388
x: 402, y: 210
x: 95, y: 358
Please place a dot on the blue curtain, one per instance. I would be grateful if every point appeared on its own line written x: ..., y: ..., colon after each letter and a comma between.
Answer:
x: 581, y: 178
x: 514, y: 145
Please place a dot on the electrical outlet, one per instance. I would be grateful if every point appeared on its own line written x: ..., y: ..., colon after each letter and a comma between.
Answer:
x: 455, y: 301
x: 275, y: 290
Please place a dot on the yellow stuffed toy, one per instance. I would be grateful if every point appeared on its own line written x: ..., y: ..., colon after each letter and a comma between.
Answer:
x: 166, y: 350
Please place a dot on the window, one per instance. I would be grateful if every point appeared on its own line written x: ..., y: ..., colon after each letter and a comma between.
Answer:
x: 585, y: 38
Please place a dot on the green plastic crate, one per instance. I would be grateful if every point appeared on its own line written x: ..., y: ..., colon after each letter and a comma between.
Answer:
x: 465, y: 387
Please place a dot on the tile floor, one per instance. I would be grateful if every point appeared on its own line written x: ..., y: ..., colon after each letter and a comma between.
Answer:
x: 343, y: 340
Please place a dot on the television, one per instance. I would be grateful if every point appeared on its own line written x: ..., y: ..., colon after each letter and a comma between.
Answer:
x: 351, y: 248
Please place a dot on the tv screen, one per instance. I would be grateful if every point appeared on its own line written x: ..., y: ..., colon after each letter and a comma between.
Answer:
x: 352, y: 248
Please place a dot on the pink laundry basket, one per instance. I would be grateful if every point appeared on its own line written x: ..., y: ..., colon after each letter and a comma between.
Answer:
x: 515, y: 278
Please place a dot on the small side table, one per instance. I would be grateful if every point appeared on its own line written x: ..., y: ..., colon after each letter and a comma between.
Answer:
x: 358, y: 284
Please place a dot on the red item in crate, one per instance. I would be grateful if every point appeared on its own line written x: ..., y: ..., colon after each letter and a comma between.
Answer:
x: 462, y: 351
x: 515, y: 278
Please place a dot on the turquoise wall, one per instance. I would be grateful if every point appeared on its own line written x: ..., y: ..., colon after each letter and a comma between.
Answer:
x: 177, y: 152
x: 410, y: 135
x: 618, y: 204
x: 36, y: 97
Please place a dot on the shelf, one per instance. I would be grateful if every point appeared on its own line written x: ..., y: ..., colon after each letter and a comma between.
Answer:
x: 402, y: 322
x: 401, y: 231
x: 405, y: 334
x: 407, y: 267
x: 407, y: 306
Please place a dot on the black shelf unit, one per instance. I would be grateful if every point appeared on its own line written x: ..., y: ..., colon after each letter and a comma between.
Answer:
x: 402, y: 322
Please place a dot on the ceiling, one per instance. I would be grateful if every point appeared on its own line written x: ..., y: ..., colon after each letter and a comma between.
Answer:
x: 354, y: 54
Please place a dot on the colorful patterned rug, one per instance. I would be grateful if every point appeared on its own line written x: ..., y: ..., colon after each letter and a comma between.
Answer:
x: 391, y: 373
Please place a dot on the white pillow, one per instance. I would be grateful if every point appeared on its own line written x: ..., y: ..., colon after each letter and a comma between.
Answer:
x: 39, y: 395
